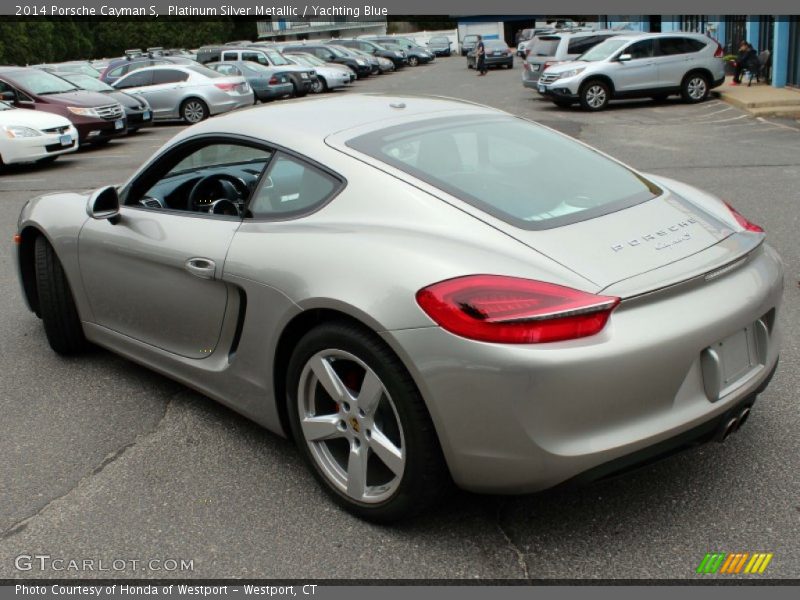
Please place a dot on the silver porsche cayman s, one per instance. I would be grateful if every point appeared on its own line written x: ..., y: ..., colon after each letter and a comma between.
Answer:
x: 418, y: 290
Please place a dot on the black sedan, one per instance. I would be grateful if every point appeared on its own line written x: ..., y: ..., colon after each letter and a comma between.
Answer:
x: 137, y: 109
x: 498, y: 54
x: 440, y: 45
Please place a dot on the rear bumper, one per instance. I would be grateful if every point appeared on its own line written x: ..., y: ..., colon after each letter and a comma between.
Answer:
x: 231, y: 103
x: 516, y: 419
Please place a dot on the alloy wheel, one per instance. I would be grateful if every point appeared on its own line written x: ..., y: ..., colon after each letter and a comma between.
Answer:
x: 596, y: 96
x: 194, y: 111
x: 351, y: 426
x: 696, y: 88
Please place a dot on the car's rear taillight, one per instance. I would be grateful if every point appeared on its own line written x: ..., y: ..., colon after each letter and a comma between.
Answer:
x: 273, y: 80
x: 510, y: 310
x: 226, y: 87
x: 718, y: 53
x: 741, y: 220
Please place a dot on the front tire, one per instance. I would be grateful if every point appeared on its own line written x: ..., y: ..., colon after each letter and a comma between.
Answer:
x: 194, y: 110
x: 413, y: 61
x: 361, y: 424
x: 594, y: 95
x: 56, y: 304
x: 319, y: 86
x: 297, y: 92
x: 694, y: 88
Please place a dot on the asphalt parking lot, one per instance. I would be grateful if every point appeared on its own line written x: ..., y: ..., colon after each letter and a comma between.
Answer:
x: 103, y: 459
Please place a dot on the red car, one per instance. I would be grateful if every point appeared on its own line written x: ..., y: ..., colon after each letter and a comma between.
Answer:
x: 95, y: 116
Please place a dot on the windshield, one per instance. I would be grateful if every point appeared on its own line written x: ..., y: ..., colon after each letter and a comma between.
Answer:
x: 87, y: 83
x: 276, y: 58
x: 544, y: 46
x: 491, y: 162
x: 42, y: 83
x: 310, y: 60
x: 603, y: 50
x: 495, y: 45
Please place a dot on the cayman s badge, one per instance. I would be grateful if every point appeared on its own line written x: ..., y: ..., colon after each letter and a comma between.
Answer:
x: 661, y: 239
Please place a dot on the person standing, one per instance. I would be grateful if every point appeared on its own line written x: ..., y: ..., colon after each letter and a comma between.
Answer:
x: 480, y: 54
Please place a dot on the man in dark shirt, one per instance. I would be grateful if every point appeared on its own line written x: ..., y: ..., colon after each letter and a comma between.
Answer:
x: 480, y: 53
x: 746, y: 60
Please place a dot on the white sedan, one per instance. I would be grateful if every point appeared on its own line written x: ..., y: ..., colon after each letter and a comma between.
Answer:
x: 34, y: 136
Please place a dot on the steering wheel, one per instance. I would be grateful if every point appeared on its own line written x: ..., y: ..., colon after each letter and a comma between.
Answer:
x: 215, y: 187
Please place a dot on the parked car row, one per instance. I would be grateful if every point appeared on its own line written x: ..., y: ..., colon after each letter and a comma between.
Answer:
x: 591, y: 68
x: 78, y: 102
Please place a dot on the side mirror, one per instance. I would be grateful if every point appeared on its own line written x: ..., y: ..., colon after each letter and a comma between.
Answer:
x: 104, y: 204
x: 624, y: 57
x: 8, y: 96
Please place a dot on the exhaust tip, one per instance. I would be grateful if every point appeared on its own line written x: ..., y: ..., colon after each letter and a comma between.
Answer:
x: 727, y: 429
x: 742, y: 417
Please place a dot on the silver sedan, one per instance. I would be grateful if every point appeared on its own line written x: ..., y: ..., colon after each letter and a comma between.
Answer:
x: 191, y: 93
x: 386, y: 287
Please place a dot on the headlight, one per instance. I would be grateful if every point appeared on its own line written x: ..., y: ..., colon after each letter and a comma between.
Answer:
x: 398, y: 54
x: 17, y: 131
x: 84, y: 112
x: 361, y: 61
x: 571, y: 73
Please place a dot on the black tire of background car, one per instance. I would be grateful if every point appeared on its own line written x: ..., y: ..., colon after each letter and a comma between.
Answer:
x: 202, y: 105
x: 47, y: 160
x: 297, y: 91
x: 685, y: 87
x: 413, y: 61
x: 586, y: 87
x: 426, y: 477
x: 320, y: 85
x: 562, y: 103
x: 56, y: 304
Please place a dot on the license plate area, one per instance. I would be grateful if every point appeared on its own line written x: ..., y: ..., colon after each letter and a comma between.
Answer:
x: 119, y: 124
x: 727, y: 364
x: 541, y: 89
x: 65, y: 140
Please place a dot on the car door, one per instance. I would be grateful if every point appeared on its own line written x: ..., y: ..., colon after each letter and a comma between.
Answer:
x: 639, y: 72
x: 164, y: 93
x: 672, y: 58
x: 156, y: 275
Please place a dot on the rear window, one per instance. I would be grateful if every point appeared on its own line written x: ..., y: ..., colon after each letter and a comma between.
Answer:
x: 510, y: 168
x: 545, y: 45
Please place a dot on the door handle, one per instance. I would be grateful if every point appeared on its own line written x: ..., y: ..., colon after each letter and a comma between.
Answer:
x: 203, y: 268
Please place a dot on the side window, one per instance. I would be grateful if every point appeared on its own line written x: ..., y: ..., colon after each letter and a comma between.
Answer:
x: 136, y: 79
x: 672, y: 46
x: 694, y: 45
x: 643, y: 49
x: 256, y: 57
x: 205, y: 177
x: 169, y: 76
x: 581, y: 44
x: 119, y: 71
x: 290, y: 188
x: 230, y: 56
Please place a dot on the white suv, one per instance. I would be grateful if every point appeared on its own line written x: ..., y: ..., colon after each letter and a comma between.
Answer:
x: 652, y: 65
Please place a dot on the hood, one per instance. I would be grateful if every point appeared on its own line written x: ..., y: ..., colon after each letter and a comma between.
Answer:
x: 129, y: 101
x: 36, y: 119
x: 561, y: 67
x: 81, y: 98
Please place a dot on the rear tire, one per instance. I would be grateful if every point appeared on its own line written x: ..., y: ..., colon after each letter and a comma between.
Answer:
x: 413, y: 61
x: 594, y: 95
x: 320, y: 86
x: 56, y: 304
x: 396, y: 419
x: 694, y: 88
x: 194, y: 110
x: 297, y: 92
